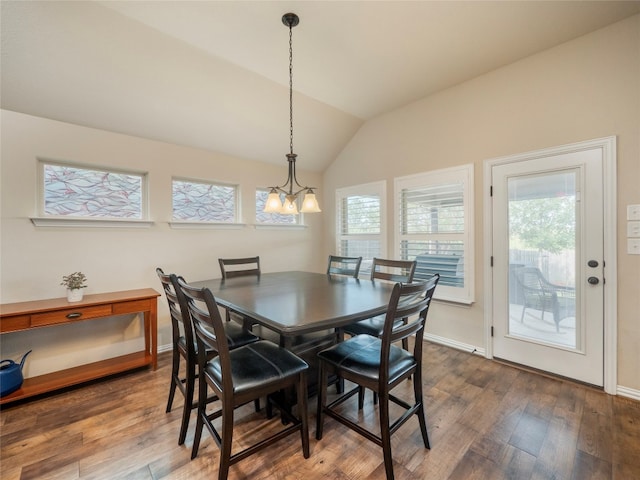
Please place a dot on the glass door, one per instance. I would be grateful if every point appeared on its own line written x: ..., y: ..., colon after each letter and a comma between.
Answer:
x: 548, y: 264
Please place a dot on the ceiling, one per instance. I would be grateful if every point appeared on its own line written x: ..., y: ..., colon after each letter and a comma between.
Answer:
x: 214, y: 74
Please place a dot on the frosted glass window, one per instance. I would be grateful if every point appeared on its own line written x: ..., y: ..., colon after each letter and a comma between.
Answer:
x: 198, y: 201
x: 71, y: 191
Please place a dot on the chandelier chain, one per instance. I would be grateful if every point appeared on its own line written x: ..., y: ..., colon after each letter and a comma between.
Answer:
x: 290, y: 88
x: 291, y: 188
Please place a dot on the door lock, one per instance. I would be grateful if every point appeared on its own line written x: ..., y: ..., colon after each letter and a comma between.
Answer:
x: 592, y: 263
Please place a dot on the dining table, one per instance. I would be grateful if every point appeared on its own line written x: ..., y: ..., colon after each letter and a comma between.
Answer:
x: 302, y: 310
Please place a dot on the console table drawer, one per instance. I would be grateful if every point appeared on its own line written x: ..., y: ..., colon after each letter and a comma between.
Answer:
x: 70, y: 315
x: 15, y: 322
x: 132, y: 307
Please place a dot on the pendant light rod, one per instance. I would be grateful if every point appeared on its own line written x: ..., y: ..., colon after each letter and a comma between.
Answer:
x: 291, y: 20
x: 273, y: 204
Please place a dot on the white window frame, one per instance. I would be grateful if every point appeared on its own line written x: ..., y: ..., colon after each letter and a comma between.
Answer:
x: 43, y: 219
x: 374, y: 188
x: 464, y: 174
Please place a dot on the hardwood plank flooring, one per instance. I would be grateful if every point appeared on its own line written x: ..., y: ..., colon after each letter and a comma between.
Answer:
x: 486, y: 421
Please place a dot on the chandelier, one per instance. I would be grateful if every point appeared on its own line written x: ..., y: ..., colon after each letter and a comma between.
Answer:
x: 291, y: 188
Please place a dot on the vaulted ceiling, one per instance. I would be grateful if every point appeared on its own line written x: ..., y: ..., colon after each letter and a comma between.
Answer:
x: 214, y: 74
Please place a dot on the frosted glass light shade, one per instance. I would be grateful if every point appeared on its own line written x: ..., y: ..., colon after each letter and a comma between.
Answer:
x: 273, y: 203
x: 289, y: 207
x: 310, y: 203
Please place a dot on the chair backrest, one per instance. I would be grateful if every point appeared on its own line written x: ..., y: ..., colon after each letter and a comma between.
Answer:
x: 239, y: 266
x: 179, y: 311
x: 531, y: 279
x: 349, y: 266
x: 393, y: 270
x: 209, y: 329
x: 409, y: 302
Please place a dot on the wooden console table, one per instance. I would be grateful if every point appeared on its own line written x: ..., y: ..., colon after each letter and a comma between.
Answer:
x: 16, y: 317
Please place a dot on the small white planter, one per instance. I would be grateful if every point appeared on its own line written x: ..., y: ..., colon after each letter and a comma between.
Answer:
x: 74, y: 295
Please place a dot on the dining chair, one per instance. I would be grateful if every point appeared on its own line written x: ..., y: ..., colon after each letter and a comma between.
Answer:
x: 391, y: 271
x: 238, y: 376
x: 184, y: 347
x: 375, y: 363
x: 239, y: 267
x: 349, y: 266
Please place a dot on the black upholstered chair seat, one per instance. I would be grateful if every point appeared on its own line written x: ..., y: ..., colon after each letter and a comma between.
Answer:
x: 370, y: 326
x: 361, y: 355
x: 257, y: 365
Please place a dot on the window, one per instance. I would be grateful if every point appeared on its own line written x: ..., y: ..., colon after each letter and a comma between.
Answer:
x: 201, y: 201
x: 434, y: 218
x: 70, y: 191
x: 361, y: 229
x: 272, y: 218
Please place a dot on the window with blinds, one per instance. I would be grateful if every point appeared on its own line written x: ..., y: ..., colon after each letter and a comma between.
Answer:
x: 434, y: 221
x: 361, y: 226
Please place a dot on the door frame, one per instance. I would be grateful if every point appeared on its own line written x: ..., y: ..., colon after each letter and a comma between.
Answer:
x: 610, y: 274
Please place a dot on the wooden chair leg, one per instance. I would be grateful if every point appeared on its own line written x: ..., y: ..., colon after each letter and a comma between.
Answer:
x: 198, y: 435
x: 302, y: 413
x: 268, y: 408
x: 188, y: 404
x: 385, y: 435
x: 172, y: 393
x: 202, y: 415
x: 361, y: 398
x: 175, y: 367
x: 227, y: 437
x: 322, y: 400
x: 417, y: 388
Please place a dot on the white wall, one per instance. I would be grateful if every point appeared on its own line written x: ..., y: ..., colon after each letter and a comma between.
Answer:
x: 585, y: 89
x: 34, y: 259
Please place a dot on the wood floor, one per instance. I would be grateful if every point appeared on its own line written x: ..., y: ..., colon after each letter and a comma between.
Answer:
x: 486, y: 421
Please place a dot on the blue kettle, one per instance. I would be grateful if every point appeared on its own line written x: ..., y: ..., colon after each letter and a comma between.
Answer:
x: 11, y: 375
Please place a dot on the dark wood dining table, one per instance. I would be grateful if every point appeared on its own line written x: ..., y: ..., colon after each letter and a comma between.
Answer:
x: 295, y: 303
x: 303, y: 309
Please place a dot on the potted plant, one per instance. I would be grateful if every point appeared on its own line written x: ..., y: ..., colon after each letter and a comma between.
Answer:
x: 74, y: 282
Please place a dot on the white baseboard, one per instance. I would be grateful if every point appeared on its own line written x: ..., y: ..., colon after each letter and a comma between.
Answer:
x: 622, y: 391
x: 447, y: 342
x: 628, y: 392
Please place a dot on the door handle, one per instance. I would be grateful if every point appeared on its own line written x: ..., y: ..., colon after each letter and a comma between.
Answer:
x: 593, y: 280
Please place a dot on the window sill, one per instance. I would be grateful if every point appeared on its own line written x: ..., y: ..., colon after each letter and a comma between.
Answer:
x: 206, y: 225
x: 276, y: 226
x: 455, y: 301
x: 90, y: 222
